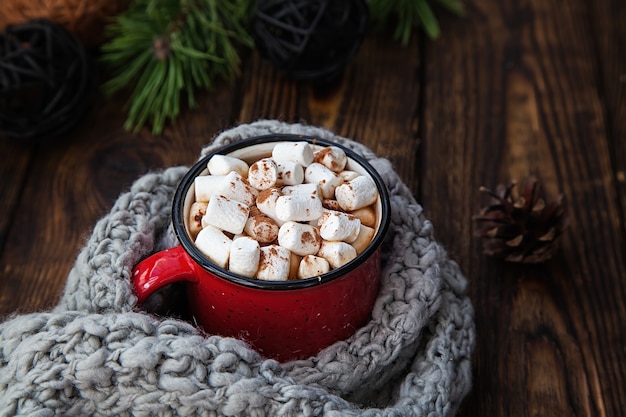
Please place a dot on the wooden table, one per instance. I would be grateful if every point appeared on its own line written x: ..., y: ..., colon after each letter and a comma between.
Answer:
x: 515, y: 88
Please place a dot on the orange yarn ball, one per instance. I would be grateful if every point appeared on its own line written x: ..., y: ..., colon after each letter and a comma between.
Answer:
x: 85, y: 18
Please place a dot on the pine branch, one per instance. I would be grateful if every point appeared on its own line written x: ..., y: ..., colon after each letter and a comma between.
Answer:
x: 163, y: 49
x: 411, y: 14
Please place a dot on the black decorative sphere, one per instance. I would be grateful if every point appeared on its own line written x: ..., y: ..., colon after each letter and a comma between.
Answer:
x: 310, y: 39
x: 46, y: 81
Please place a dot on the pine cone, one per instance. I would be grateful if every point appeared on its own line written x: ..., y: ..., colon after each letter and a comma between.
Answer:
x: 521, y: 227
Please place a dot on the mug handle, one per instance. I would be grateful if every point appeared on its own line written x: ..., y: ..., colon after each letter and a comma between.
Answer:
x: 162, y: 268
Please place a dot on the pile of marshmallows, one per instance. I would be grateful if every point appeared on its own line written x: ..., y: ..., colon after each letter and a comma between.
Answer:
x: 295, y: 215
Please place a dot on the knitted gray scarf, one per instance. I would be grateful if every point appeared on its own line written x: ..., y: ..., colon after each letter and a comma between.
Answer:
x: 97, y: 354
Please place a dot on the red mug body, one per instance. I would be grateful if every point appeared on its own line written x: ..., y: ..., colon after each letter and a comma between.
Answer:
x: 284, y: 320
x: 281, y: 324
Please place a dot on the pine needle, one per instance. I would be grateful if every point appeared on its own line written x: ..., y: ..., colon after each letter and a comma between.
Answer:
x: 163, y: 49
x: 411, y: 14
x: 428, y: 19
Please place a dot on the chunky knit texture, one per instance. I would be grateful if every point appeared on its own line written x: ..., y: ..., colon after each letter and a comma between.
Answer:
x: 97, y: 354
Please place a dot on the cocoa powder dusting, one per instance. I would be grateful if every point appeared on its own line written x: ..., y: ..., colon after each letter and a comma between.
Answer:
x: 319, y: 157
x: 332, y: 205
x: 264, y: 195
x: 308, y: 237
x: 263, y: 261
x: 264, y: 229
x: 254, y: 211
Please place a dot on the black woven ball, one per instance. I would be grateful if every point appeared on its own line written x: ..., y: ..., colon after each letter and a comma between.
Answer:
x: 46, y: 81
x: 310, y: 39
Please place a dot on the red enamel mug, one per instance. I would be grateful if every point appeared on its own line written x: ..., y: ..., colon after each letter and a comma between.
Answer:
x: 283, y: 320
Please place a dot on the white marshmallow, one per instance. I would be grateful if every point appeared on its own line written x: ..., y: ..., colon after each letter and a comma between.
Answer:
x: 301, y: 239
x: 245, y: 253
x: 289, y: 173
x: 366, y: 234
x: 357, y: 193
x: 339, y: 226
x: 298, y: 208
x: 262, y: 228
x: 223, y: 165
x: 332, y: 157
x: 327, y: 179
x: 263, y: 174
x: 348, y: 175
x: 309, y: 189
x: 274, y: 263
x: 226, y: 214
x: 312, y: 266
x: 207, y: 185
x: 235, y: 187
x: 266, y: 203
x: 336, y: 253
x: 214, y: 244
x: 300, y: 152
x: 196, y: 213
x: 367, y: 215
x: 232, y: 185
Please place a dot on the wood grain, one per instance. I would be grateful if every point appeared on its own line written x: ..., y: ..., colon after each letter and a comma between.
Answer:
x: 610, y: 41
x: 610, y: 38
x: 524, y: 100
x: 375, y: 108
x: 378, y: 111
x: 15, y: 159
x: 266, y: 94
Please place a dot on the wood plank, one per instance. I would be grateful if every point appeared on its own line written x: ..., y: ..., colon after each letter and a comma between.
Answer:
x: 372, y: 103
x: 521, y: 98
x: 15, y: 158
x: 610, y: 41
x: 267, y: 94
x: 57, y: 212
x: 376, y: 103
x: 610, y: 36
